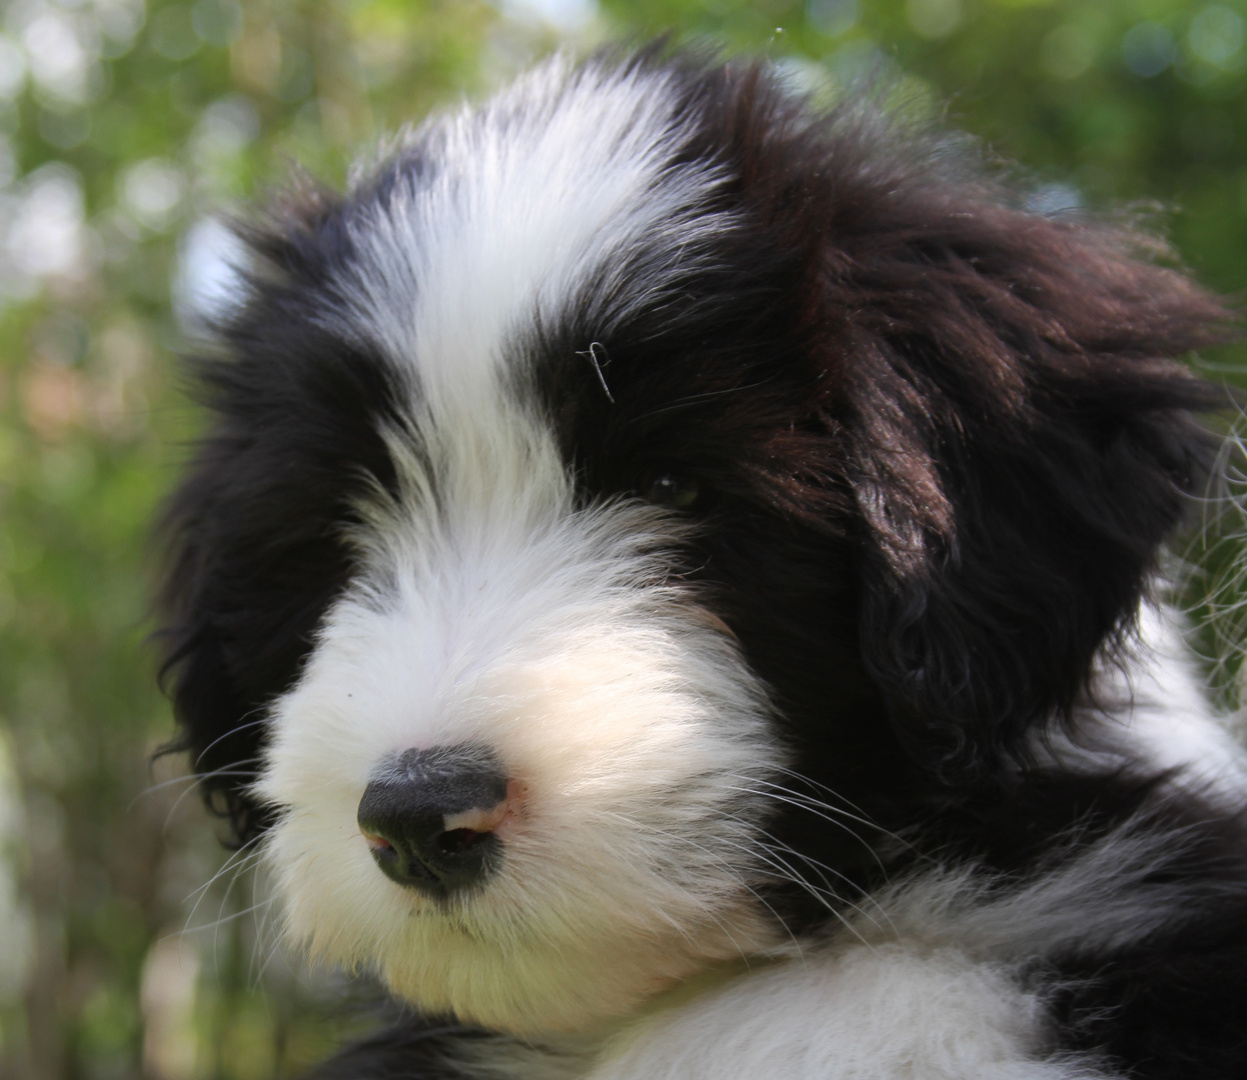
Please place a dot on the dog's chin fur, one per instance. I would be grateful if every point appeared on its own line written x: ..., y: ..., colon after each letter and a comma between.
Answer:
x: 770, y: 498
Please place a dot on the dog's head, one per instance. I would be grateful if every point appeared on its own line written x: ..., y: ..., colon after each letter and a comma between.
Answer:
x: 611, y: 454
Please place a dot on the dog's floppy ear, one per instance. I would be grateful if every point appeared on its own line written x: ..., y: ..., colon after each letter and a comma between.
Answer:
x: 1019, y: 441
x: 255, y: 530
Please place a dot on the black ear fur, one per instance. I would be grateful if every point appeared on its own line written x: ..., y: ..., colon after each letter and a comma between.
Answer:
x: 1020, y: 443
x: 255, y: 531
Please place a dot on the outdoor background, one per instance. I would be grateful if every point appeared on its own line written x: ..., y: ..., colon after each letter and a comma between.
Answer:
x: 123, y: 126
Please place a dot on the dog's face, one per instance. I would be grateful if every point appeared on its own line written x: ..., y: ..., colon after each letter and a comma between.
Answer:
x: 613, y: 466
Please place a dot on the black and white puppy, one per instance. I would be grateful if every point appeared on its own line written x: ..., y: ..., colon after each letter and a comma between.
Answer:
x: 662, y: 586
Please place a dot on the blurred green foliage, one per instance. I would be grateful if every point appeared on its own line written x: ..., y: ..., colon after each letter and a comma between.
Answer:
x: 122, y: 126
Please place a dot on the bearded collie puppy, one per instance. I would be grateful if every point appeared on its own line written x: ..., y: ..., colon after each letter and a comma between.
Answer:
x: 671, y: 585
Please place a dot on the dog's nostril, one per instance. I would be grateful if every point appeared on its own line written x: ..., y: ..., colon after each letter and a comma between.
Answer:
x: 429, y: 817
x: 454, y: 841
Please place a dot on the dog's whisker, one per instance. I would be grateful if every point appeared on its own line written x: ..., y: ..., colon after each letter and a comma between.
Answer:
x: 240, y: 869
x: 270, y: 955
x: 855, y: 812
x: 822, y: 868
x: 234, y: 871
x: 233, y: 732
x: 827, y: 897
x: 262, y: 957
x: 818, y: 810
x: 223, y: 919
x: 732, y: 870
x: 770, y: 838
x: 203, y: 778
x: 238, y: 858
x: 230, y: 770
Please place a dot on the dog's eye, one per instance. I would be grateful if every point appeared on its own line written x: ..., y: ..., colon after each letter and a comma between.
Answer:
x: 671, y: 489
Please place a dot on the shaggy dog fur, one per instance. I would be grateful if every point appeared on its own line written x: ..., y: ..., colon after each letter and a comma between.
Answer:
x: 669, y: 587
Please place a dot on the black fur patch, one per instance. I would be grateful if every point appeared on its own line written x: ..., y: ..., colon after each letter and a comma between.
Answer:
x: 257, y: 528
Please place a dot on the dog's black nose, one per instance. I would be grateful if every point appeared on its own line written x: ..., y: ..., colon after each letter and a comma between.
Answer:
x: 430, y: 816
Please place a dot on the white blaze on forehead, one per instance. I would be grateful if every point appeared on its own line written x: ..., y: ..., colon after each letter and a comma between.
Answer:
x: 521, y: 204
x: 489, y: 609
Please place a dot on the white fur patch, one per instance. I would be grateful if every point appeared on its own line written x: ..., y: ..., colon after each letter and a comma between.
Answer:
x: 552, y: 187
x: 1153, y: 714
x: 1170, y: 717
x: 885, y: 1012
x: 494, y: 613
